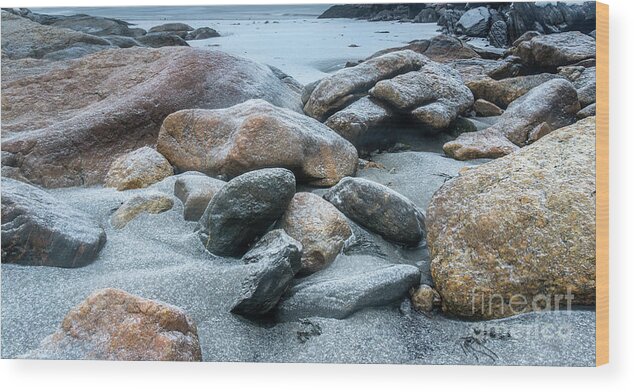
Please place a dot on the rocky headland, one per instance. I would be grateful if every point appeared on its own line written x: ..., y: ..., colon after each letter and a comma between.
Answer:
x: 164, y: 202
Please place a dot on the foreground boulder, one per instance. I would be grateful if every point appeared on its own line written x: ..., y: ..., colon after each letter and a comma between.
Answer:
x: 543, y: 109
x: 521, y: 227
x: 255, y: 135
x: 503, y: 92
x: 276, y: 258
x: 114, y: 325
x: 244, y: 209
x: 340, y: 297
x: 319, y: 227
x: 23, y: 38
x: 138, y: 169
x: 336, y: 91
x: 150, y: 202
x: 115, y: 101
x: 38, y: 229
x: 195, y: 190
x: 380, y: 209
x: 554, y: 50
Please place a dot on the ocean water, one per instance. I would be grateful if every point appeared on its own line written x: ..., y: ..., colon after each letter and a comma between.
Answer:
x: 289, y: 37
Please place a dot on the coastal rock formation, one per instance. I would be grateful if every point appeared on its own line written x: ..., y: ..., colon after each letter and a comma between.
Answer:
x: 319, y: 227
x: 380, y: 209
x: 340, y: 297
x: 195, y: 190
x: 138, y: 169
x: 503, y: 92
x: 255, y: 135
x: 112, y: 324
x: 116, y: 102
x: 555, y: 50
x: 276, y: 260
x: 38, y: 229
x: 547, y: 107
x: 244, y: 209
x: 150, y: 202
x: 522, y: 225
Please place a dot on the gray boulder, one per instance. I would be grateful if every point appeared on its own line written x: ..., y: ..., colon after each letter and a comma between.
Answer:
x: 555, y: 50
x: 195, y: 190
x: 504, y: 91
x: 176, y: 28
x: 380, y: 209
x: 585, y: 81
x: 38, y: 229
x: 475, y: 22
x: 244, y: 209
x: 498, y: 34
x: 340, y: 297
x: 276, y: 260
x: 158, y: 40
x: 202, y: 33
x: 94, y: 25
x: 354, y: 121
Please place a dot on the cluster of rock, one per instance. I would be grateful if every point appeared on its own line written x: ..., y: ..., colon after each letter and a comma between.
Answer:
x: 501, y: 23
x: 65, y: 37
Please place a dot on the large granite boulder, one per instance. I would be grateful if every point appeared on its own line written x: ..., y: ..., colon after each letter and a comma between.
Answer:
x: 67, y: 124
x: 38, y: 229
x: 319, y: 227
x: 149, y: 202
x: 503, y: 92
x: 475, y: 22
x: 244, y: 209
x: 380, y: 209
x: 138, y: 169
x: 554, y: 50
x: 520, y: 228
x: 546, y: 107
x: 255, y: 135
x: 114, y: 325
x: 23, y: 38
x: 276, y: 260
x: 340, y: 297
x: 336, y: 91
x: 195, y: 190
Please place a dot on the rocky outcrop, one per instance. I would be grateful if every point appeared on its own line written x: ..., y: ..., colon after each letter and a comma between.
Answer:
x: 340, y: 297
x: 519, y: 228
x: 555, y: 50
x: 138, y: 169
x: 319, y: 227
x: 150, y: 203
x: 379, y: 209
x: 244, y: 209
x: 255, y: 135
x: 116, y: 102
x: 503, y: 92
x: 547, y: 107
x: 195, y: 190
x: 38, y: 229
x: 276, y: 260
x: 23, y: 38
x: 114, y: 325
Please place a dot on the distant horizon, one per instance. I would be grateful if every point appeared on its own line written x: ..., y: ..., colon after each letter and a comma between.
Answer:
x: 194, y: 12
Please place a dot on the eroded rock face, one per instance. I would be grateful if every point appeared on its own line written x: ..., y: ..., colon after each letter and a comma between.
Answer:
x: 380, y: 209
x: 38, y: 229
x: 116, y: 102
x: 138, y: 169
x: 244, y: 209
x: 150, y: 202
x: 340, y: 297
x: 195, y: 190
x: 319, y: 227
x: 549, y: 106
x: 23, y: 38
x: 435, y: 94
x: 554, y: 50
x: 114, y: 325
x: 255, y: 135
x: 336, y: 91
x: 503, y: 92
x: 276, y: 258
x: 522, y: 225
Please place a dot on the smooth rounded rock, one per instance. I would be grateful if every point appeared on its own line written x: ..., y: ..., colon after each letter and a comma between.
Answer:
x: 138, y: 169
